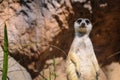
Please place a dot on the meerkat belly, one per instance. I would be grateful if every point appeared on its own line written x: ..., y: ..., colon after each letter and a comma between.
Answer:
x: 87, y: 68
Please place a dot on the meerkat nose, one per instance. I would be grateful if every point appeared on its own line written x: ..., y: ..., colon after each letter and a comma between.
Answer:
x: 83, y: 25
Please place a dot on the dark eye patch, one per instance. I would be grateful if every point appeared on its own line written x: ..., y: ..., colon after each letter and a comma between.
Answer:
x: 79, y: 21
x: 87, y: 21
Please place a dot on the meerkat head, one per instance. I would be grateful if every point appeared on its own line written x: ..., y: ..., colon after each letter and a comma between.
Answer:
x: 82, y: 26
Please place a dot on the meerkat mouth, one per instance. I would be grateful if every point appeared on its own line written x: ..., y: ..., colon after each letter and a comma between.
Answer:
x: 82, y: 30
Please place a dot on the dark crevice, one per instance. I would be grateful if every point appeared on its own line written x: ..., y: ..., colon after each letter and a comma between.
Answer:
x: 1, y: 1
x: 59, y: 21
x: 25, y: 3
x: 24, y: 12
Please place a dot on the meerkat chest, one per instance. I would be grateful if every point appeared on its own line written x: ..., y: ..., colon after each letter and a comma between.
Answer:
x: 83, y: 47
x: 84, y: 51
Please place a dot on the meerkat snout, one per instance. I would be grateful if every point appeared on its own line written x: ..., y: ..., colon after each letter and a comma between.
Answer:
x: 83, y: 25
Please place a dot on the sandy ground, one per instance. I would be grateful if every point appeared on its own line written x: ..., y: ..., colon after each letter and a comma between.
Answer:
x: 111, y: 71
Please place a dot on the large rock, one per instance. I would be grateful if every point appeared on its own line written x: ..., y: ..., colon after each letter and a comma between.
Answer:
x: 15, y: 70
x: 111, y: 70
x: 32, y: 28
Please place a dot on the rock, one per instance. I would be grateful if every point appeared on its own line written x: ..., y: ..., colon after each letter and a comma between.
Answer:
x: 112, y: 71
x: 15, y: 70
x: 57, y: 71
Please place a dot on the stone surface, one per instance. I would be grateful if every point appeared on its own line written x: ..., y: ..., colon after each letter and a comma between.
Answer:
x: 112, y: 71
x: 15, y: 70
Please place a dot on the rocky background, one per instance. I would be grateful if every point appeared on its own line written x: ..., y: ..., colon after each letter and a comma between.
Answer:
x: 41, y: 32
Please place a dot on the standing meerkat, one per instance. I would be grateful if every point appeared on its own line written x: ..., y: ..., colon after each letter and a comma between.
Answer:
x: 81, y: 61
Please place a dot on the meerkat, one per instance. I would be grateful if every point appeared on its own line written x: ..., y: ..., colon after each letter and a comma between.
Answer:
x: 81, y: 63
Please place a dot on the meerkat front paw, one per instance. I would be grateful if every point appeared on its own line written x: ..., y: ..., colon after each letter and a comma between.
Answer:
x: 78, y: 74
x: 97, y: 75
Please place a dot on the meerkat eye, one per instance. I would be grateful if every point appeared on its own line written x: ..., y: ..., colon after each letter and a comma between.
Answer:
x: 87, y: 21
x: 79, y: 21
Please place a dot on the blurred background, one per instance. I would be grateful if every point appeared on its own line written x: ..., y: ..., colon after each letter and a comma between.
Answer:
x: 41, y: 32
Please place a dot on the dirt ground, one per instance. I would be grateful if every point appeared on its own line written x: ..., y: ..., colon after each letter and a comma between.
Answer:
x: 112, y: 71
